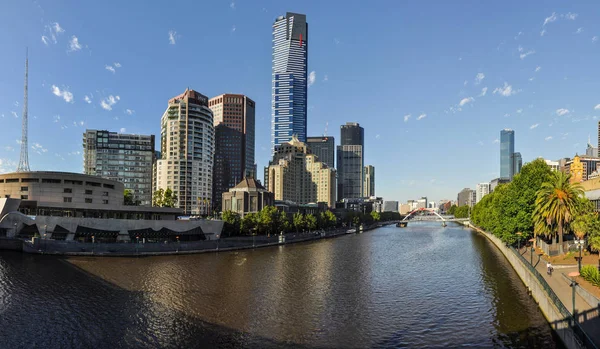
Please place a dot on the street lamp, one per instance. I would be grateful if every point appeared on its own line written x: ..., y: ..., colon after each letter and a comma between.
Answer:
x: 573, y: 285
x: 519, y: 240
x: 579, y: 243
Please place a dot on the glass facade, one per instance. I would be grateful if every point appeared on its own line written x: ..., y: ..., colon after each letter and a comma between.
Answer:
x: 289, y: 79
x: 507, y: 148
x: 351, y: 162
x: 323, y: 148
x: 126, y: 158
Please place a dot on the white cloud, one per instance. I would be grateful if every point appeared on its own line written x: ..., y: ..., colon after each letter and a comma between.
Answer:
x: 9, y: 148
x: 233, y: 29
x: 173, y: 37
x: 562, y: 111
x: 422, y: 116
x: 123, y: 130
x: 45, y: 40
x: 571, y: 16
x: 117, y: 65
x: 38, y: 148
x: 377, y: 136
x: 129, y: 111
x: 18, y: 141
x: 14, y: 113
x: 465, y: 83
x: 311, y: 78
x: 520, y: 49
x: 66, y: 95
x: 466, y: 101
x: 550, y: 19
x: 87, y: 99
x: 594, y: 39
x: 110, y: 69
x: 406, y: 117
x: 548, y: 138
x: 519, y: 111
x: 479, y: 78
x: 74, y: 153
x: 579, y: 30
x: 52, y: 31
x: 81, y: 123
x: 109, y: 101
x: 56, y: 118
x: 325, y: 78
x: 543, y: 32
x: 232, y: 5
x: 496, y: 141
x: 533, y: 126
x: 505, y: 91
x: 523, y: 55
x: 531, y: 79
x: 74, y: 44
x: 480, y: 143
x: 336, y: 41
x: 538, y: 68
x: 483, y: 92
x: 597, y: 107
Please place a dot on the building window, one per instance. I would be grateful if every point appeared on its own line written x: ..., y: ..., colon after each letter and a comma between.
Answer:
x: 7, y: 196
x: 105, y: 193
x: 66, y: 199
x: 24, y: 188
x: 88, y: 201
x: 88, y: 192
x: 105, y: 202
x: 67, y: 190
x: 24, y: 197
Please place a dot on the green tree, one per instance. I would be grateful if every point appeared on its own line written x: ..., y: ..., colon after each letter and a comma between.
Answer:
x: 376, y: 216
x: 232, y: 222
x: 452, y: 209
x: 557, y: 201
x: 284, y: 222
x: 268, y: 220
x: 170, y: 198
x: 298, y: 221
x: 158, y: 198
x: 249, y: 223
x: 128, y: 198
x: 310, y: 221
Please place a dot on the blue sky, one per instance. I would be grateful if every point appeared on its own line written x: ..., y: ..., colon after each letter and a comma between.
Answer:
x: 400, y: 69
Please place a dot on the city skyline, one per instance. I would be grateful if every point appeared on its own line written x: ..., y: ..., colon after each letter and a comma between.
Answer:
x: 516, y: 78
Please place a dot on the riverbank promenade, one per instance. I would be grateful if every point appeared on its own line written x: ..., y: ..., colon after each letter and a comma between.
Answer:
x: 587, y: 314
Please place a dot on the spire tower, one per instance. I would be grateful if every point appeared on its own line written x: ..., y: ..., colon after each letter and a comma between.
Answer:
x: 24, y: 160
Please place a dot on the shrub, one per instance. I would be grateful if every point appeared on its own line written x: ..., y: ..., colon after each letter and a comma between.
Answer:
x: 591, y: 274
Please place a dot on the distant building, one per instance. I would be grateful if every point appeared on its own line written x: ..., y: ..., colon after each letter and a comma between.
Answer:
x: 580, y: 166
x: 465, y: 197
x: 351, y: 161
x: 507, y: 148
x: 517, y: 163
x: 298, y: 176
x: 390, y: 206
x: 497, y: 181
x: 247, y: 197
x: 405, y: 208
x: 482, y: 190
x: 421, y: 203
x: 289, y: 84
x: 126, y: 158
x: 591, y: 151
x: 554, y: 165
x: 432, y: 205
x: 324, y: 148
x: 234, y: 122
x: 369, y: 189
x: 187, y: 144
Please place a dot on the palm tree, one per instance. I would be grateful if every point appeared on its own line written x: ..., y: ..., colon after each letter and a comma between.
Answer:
x: 557, y: 201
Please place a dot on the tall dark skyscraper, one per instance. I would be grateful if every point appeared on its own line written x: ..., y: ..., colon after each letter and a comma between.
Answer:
x: 234, y: 123
x: 507, y: 148
x: 289, y: 79
x: 324, y: 148
x: 351, y: 161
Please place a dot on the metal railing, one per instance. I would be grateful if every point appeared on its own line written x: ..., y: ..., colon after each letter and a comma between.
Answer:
x: 580, y: 334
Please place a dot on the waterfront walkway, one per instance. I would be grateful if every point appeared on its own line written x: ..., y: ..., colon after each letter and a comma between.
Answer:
x: 563, y: 290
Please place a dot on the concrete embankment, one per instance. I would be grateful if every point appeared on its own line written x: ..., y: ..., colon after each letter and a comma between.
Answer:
x: 74, y: 248
x: 553, y: 309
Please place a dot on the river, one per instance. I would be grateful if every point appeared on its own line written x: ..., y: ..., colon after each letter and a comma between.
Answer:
x: 415, y: 287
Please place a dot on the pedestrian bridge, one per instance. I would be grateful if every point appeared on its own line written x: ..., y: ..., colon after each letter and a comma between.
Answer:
x: 428, y: 215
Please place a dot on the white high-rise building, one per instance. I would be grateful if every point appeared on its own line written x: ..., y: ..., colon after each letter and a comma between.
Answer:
x: 187, y: 144
x: 482, y: 190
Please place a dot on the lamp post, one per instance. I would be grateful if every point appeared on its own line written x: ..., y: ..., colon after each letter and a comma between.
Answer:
x: 519, y: 240
x: 573, y: 285
x: 579, y: 243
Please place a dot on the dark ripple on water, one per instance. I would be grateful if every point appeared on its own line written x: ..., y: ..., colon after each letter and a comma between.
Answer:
x: 422, y: 286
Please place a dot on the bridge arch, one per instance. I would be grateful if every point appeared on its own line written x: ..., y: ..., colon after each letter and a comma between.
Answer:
x: 421, y: 210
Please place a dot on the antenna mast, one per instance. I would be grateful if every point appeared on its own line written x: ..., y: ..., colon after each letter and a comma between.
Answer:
x: 24, y: 160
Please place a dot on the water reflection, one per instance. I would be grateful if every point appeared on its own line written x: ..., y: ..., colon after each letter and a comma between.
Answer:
x: 422, y: 286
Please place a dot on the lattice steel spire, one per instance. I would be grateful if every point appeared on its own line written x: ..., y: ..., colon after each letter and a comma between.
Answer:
x: 24, y: 160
